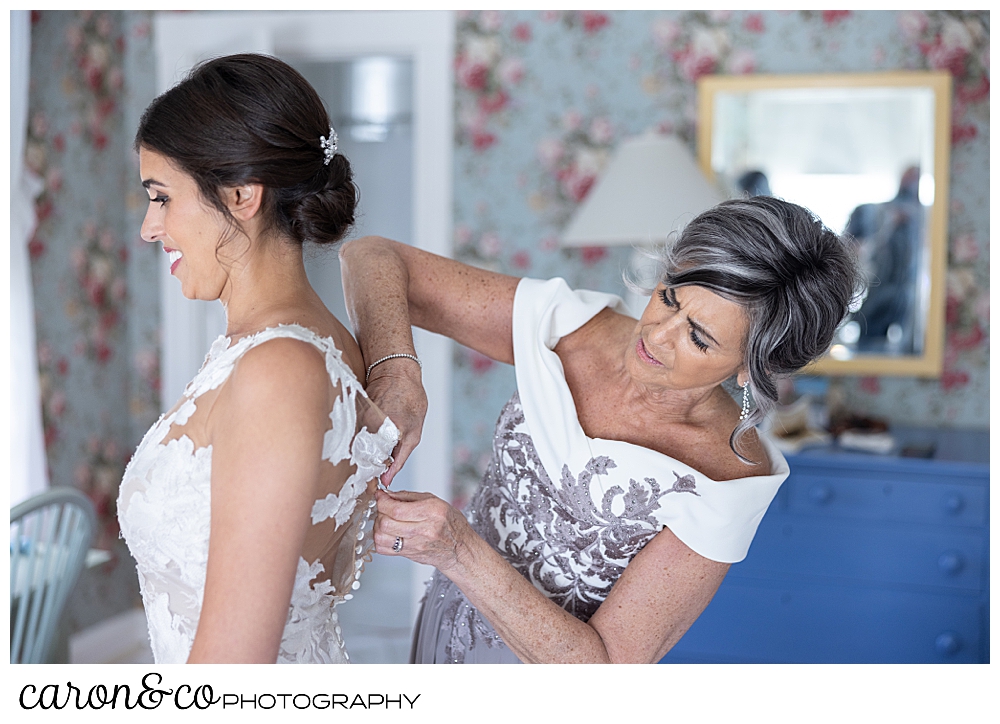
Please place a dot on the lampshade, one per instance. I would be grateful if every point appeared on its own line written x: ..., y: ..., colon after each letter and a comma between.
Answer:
x: 651, y: 187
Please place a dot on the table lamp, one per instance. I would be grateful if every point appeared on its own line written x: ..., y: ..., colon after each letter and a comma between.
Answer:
x: 651, y: 188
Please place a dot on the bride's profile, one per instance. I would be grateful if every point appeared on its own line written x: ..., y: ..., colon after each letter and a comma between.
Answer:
x: 247, y: 505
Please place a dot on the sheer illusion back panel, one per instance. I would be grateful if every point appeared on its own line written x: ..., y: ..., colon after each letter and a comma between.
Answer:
x: 339, y: 538
x: 164, y: 505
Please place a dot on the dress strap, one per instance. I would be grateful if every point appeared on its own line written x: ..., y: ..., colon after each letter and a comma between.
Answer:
x: 224, y: 353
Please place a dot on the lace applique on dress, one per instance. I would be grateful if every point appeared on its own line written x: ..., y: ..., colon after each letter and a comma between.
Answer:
x: 555, y: 533
x: 164, y: 507
x: 571, y: 538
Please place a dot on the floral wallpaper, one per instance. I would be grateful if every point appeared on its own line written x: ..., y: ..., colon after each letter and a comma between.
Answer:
x: 95, y: 289
x: 542, y: 98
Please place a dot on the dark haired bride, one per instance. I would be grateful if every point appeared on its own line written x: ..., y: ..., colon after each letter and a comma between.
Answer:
x: 265, y: 469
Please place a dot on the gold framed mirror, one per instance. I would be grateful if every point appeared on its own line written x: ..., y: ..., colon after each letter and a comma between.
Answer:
x: 869, y: 154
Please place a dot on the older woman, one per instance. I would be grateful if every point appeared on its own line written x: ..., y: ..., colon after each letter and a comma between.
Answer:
x: 624, y: 478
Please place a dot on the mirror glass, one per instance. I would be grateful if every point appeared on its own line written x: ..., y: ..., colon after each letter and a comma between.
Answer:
x: 862, y: 159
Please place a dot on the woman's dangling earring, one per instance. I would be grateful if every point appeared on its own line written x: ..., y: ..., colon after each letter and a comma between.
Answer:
x: 746, y: 401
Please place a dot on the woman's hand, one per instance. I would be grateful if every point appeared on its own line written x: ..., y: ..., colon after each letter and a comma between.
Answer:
x: 396, y: 389
x: 431, y: 531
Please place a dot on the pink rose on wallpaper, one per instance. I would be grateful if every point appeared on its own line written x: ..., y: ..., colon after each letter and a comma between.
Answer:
x: 550, y: 151
x: 593, y: 21
x: 550, y: 16
x: 576, y: 184
x: 472, y: 75
x: 962, y: 132
x: 57, y: 403
x: 974, y: 93
x: 665, y: 31
x: 36, y: 248
x: 741, y: 62
x: 481, y: 140
x: 593, y: 254
x: 54, y: 180
x: 964, y: 248
x: 521, y: 260
x: 462, y: 454
x: 913, y: 23
x: 952, y: 379
x: 754, y: 22
x: 962, y: 341
x: 511, y: 71
x: 39, y: 124
x: 493, y: 102
x: 490, y: 20
x: 982, y: 308
x: 463, y: 236
x: 104, y: 27
x: 44, y: 208
x: 694, y: 65
x: 572, y: 119
x: 601, y: 131
x: 490, y: 245
x: 551, y: 243
x: 522, y: 32
x: 832, y: 17
x: 74, y: 37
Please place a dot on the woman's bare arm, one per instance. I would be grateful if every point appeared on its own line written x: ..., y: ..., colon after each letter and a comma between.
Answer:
x: 657, y: 598
x: 390, y: 286
x: 267, y: 432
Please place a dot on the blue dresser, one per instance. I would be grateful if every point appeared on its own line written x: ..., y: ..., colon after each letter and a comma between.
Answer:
x: 861, y: 559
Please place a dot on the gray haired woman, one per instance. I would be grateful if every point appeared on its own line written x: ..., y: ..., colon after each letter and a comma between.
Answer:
x: 624, y: 479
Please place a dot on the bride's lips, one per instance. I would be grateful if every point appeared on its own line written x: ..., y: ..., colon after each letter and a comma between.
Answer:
x: 174, y: 256
x: 644, y: 355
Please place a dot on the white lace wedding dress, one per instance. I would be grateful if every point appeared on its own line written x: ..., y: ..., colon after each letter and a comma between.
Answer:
x: 164, y: 511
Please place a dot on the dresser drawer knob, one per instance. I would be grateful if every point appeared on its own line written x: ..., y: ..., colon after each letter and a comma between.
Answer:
x: 947, y: 643
x: 821, y: 494
x: 951, y: 562
x: 953, y: 503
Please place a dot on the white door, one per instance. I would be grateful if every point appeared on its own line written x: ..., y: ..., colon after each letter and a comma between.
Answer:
x: 312, y: 41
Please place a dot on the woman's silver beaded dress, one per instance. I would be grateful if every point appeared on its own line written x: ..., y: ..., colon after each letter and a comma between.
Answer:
x: 569, y: 512
x: 164, y: 507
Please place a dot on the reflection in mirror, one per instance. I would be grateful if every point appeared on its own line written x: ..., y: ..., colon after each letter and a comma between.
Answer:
x: 869, y: 154
x: 863, y: 160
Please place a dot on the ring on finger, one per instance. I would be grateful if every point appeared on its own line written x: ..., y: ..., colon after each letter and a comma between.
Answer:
x: 398, y: 545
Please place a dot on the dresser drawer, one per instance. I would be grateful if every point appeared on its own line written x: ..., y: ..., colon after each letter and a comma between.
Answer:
x: 809, y: 547
x: 811, y: 623
x: 885, y: 499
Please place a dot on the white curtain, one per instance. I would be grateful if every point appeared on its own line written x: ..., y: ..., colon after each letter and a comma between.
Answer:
x: 28, y: 473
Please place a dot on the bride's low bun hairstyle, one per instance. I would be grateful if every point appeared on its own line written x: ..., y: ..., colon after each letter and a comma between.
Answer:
x: 253, y: 119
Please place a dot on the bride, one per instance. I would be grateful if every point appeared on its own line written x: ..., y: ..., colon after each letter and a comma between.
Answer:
x: 247, y: 505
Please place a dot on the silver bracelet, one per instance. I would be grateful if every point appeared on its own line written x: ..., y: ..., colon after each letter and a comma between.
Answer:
x: 368, y: 372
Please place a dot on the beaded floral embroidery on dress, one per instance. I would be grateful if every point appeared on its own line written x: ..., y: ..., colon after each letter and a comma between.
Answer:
x: 164, y: 507
x: 572, y: 538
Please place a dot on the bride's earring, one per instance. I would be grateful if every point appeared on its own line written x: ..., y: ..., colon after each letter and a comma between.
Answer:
x: 746, y: 401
